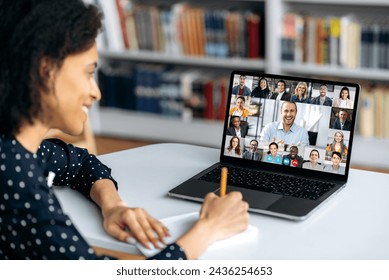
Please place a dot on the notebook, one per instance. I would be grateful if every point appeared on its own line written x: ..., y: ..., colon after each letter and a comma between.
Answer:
x: 287, y: 143
x: 180, y: 224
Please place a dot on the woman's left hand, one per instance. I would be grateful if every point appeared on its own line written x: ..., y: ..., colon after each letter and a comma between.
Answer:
x: 127, y: 224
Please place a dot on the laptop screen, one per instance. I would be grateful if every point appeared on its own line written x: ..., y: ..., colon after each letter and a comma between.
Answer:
x: 290, y: 121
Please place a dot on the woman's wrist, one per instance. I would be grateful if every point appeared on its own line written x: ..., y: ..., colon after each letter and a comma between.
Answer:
x: 106, y: 196
x: 197, y: 239
x: 106, y: 208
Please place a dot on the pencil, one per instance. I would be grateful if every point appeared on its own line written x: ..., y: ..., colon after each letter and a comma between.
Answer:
x: 223, y: 181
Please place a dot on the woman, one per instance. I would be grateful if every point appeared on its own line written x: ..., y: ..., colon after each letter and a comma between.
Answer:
x: 272, y: 155
x: 300, y: 93
x: 48, y: 59
x: 233, y: 150
x: 261, y: 91
x: 313, y: 163
x: 336, y: 158
x: 344, y: 99
x: 338, y: 145
x: 236, y: 128
x: 239, y: 110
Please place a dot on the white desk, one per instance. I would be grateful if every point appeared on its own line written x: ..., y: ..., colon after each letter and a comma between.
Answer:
x: 352, y: 225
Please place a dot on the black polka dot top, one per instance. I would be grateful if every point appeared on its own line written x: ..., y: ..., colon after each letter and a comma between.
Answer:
x: 32, y: 223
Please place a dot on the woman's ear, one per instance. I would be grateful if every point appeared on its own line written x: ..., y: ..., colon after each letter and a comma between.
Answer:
x: 46, y: 69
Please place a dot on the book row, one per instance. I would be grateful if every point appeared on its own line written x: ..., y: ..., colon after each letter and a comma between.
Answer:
x: 347, y: 41
x: 181, y: 29
x: 156, y: 89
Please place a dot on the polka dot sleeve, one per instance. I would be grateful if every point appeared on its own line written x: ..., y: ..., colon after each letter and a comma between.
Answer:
x: 171, y: 252
x: 32, y: 223
x: 72, y: 166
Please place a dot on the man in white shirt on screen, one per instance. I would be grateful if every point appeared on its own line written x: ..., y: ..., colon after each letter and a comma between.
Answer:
x: 286, y: 131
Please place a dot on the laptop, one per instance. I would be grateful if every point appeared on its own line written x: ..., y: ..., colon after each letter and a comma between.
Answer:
x: 286, y: 142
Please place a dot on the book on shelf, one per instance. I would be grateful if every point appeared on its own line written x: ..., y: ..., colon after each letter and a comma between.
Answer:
x: 310, y: 47
x: 366, y: 112
x: 193, y: 32
x: 334, y: 41
x: 196, y: 28
x: 147, y: 85
x: 379, y: 102
x: 322, y: 27
x: 130, y: 26
x: 289, y: 37
x: 122, y: 19
x: 221, y: 33
x: 117, y: 87
x: 383, y: 49
x: 373, y: 111
x: 171, y: 103
x: 177, y: 10
x: 233, y: 22
x: 111, y: 25
x: 143, y: 24
x: 253, y: 33
x: 209, y: 107
x: 353, y: 45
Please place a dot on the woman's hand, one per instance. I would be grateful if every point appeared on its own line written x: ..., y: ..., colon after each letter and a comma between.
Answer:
x: 220, y: 218
x: 131, y: 224
x: 124, y: 223
x: 225, y: 216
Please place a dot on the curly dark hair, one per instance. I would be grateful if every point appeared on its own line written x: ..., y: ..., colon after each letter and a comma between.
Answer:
x: 29, y: 31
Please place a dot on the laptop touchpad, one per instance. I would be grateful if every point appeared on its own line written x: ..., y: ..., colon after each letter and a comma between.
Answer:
x: 256, y: 199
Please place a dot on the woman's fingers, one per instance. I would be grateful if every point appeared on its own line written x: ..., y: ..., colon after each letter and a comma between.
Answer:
x: 131, y: 224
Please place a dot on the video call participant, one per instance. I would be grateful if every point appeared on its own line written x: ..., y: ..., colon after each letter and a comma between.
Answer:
x: 342, y: 122
x: 335, y: 167
x: 272, y: 155
x: 262, y: 90
x: 239, y: 109
x: 253, y: 153
x: 241, y: 89
x: 233, y: 150
x: 313, y: 163
x: 293, y: 159
x: 338, y: 145
x: 236, y: 128
x: 286, y: 131
x: 322, y: 99
x: 280, y: 93
x: 344, y: 99
x: 300, y: 93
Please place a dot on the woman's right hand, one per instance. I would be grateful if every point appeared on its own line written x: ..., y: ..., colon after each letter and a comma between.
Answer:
x: 220, y: 218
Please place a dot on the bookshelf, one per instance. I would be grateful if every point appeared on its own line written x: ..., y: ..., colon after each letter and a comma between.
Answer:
x: 138, y: 125
x: 377, y: 75
x: 206, y: 62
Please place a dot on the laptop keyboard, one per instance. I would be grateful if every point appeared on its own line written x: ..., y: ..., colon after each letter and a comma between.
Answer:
x: 272, y: 183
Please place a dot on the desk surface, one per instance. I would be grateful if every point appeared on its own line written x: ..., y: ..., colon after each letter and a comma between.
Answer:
x: 352, y: 225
